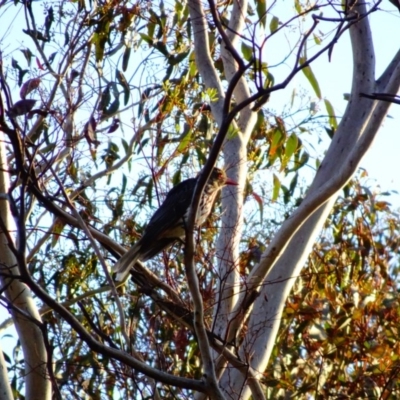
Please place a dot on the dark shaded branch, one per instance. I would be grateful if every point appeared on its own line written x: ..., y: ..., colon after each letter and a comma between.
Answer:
x: 390, y: 98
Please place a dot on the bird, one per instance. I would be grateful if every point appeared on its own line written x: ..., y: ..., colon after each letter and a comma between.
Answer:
x: 167, y: 225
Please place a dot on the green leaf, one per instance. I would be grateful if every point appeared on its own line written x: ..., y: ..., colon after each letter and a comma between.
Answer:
x: 293, y: 183
x: 247, y: 51
x: 276, y: 188
x: 125, y: 58
x: 290, y: 149
x: 177, y: 177
x: 307, y: 71
x: 123, y: 82
x: 185, y: 141
x: 261, y: 6
x: 58, y: 227
x: 149, y: 191
x: 232, y: 132
x: 146, y: 38
x: 302, y: 161
x: 291, y: 145
x: 298, y: 7
x: 331, y: 113
x: 105, y: 99
x: 317, y: 39
x: 99, y: 41
x: 124, y: 183
x: 286, y: 194
x: 274, y: 24
x: 73, y: 172
x: 110, y: 111
x: 125, y: 145
x: 293, y: 97
x: 276, y: 140
x: 162, y: 48
x: 176, y: 59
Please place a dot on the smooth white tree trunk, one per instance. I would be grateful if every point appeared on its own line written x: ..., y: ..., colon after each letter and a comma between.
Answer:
x: 37, y: 384
x: 352, y: 139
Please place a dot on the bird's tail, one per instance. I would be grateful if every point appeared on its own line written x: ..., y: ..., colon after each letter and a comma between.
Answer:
x: 126, y: 262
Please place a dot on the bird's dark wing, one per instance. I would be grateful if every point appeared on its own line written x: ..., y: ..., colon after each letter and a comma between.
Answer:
x: 167, y: 221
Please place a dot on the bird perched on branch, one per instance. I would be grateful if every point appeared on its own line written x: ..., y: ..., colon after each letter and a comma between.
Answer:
x: 167, y: 225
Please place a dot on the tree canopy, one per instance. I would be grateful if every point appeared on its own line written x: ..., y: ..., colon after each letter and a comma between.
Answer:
x: 290, y: 289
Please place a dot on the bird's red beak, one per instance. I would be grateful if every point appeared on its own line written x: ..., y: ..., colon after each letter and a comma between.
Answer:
x: 230, y: 182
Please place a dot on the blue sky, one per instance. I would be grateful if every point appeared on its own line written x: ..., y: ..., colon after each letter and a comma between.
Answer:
x: 382, y: 161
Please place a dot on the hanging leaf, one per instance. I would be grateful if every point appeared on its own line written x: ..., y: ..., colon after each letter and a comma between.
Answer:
x: 148, y: 39
x: 58, y: 227
x: 317, y: 39
x: 51, y: 58
x: 302, y: 161
x: 177, y: 177
x: 28, y: 55
x: 307, y: 71
x: 35, y: 35
x: 123, y: 82
x: 261, y: 6
x: 293, y: 183
x: 124, y: 183
x: 74, y: 74
x: 15, y: 65
x: 89, y: 132
x: 290, y: 148
x: 247, y: 51
x: 21, y: 72
x: 331, y: 113
x: 276, y: 188
x: 162, y: 48
x: 168, y: 72
x: 260, y: 203
x: 29, y: 86
x: 125, y: 58
x: 185, y: 142
x: 291, y: 145
x: 39, y: 65
x: 176, y: 59
x: 48, y: 21
x: 73, y: 172
x: 274, y: 24
x: 149, y: 191
x: 276, y: 140
x: 114, y: 125
x: 298, y: 6
x: 105, y: 99
x: 66, y: 38
x: 99, y: 40
x: 110, y: 111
